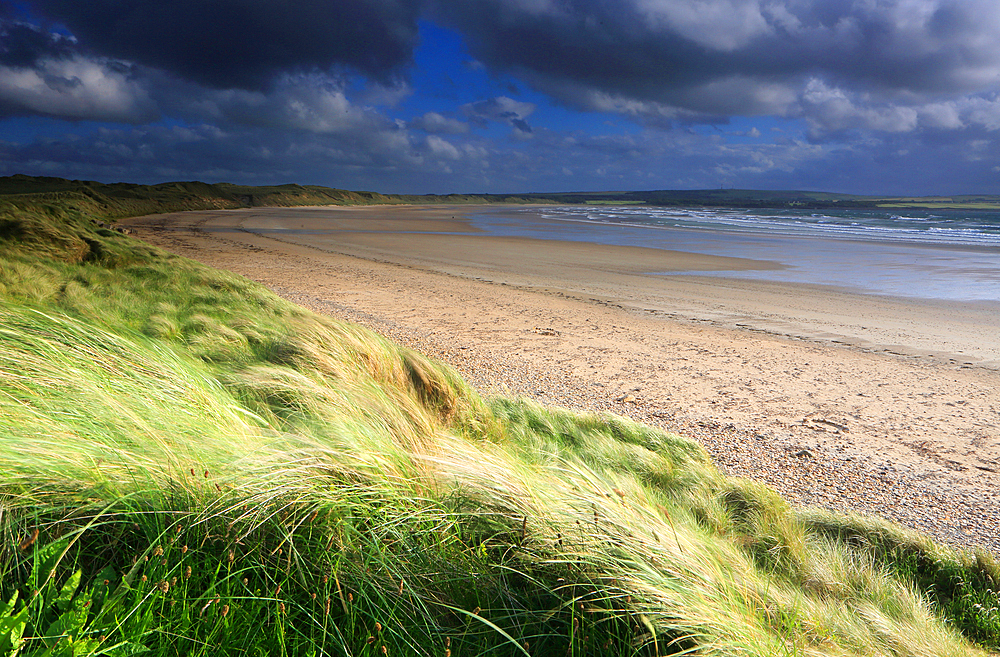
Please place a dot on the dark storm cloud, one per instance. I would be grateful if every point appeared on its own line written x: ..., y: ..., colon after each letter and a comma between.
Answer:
x: 319, y: 91
x: 23, y: 45
x: 732, y: 56
x: 501, y: 110
x: 244, y: 43
x: 839, y: 64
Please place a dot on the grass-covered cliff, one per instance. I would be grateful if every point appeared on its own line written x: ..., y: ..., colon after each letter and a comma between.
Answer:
x: 190, y: 465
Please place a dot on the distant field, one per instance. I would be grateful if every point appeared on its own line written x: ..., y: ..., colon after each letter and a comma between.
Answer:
x: 941, y: 205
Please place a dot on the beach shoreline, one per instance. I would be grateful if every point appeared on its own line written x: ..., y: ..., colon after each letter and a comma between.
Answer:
x: 871, y: 404
x: 659, y: 282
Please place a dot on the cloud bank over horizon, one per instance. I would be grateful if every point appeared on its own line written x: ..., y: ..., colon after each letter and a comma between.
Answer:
x: 863, y: 96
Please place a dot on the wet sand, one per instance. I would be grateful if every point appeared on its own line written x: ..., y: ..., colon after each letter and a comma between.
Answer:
x: 874, y: 404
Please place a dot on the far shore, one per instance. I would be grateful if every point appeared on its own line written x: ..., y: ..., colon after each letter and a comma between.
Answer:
x: 874, y: 404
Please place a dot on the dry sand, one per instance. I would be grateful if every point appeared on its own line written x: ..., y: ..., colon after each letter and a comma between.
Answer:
x: 852, y: 402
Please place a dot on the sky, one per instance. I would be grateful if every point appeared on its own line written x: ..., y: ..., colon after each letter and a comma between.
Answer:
x: 897, y: 97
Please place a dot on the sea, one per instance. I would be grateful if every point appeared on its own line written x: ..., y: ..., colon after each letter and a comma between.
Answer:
x: 927, y: 254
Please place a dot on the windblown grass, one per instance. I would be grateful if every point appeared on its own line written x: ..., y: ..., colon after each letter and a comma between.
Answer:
x: 193, y: 466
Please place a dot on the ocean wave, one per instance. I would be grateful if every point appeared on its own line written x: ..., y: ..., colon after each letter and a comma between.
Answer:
x: 936, y: 229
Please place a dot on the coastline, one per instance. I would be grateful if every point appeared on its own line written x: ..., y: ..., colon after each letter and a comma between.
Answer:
x: 823, y: 415
x: 658, y: 282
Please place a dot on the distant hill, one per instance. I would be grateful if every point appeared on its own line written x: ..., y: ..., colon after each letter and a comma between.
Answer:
x: 750, y: 198
x: 125, y: 199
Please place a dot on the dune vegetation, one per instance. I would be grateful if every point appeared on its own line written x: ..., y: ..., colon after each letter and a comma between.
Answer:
x: 190, y: 465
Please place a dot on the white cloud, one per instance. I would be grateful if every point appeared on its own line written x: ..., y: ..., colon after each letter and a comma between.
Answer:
x: 984, y: 112
x: 601, y: 101
x: 314, y: 103
x: 941, y: 115
x: 720, y: 24
x: 442, y: 148
x: 75, y: 88
x: 832, y: 108
x: 435, y: 123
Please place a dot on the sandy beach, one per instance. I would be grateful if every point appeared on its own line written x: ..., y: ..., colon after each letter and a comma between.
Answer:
x: 879, y: 405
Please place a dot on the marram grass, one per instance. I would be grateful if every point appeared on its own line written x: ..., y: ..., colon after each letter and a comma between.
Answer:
x: 192, y: 466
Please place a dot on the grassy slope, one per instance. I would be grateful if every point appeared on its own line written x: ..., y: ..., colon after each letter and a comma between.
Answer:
x: 128, y: 200
x: 191, y: 465
x: 125, y: 200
